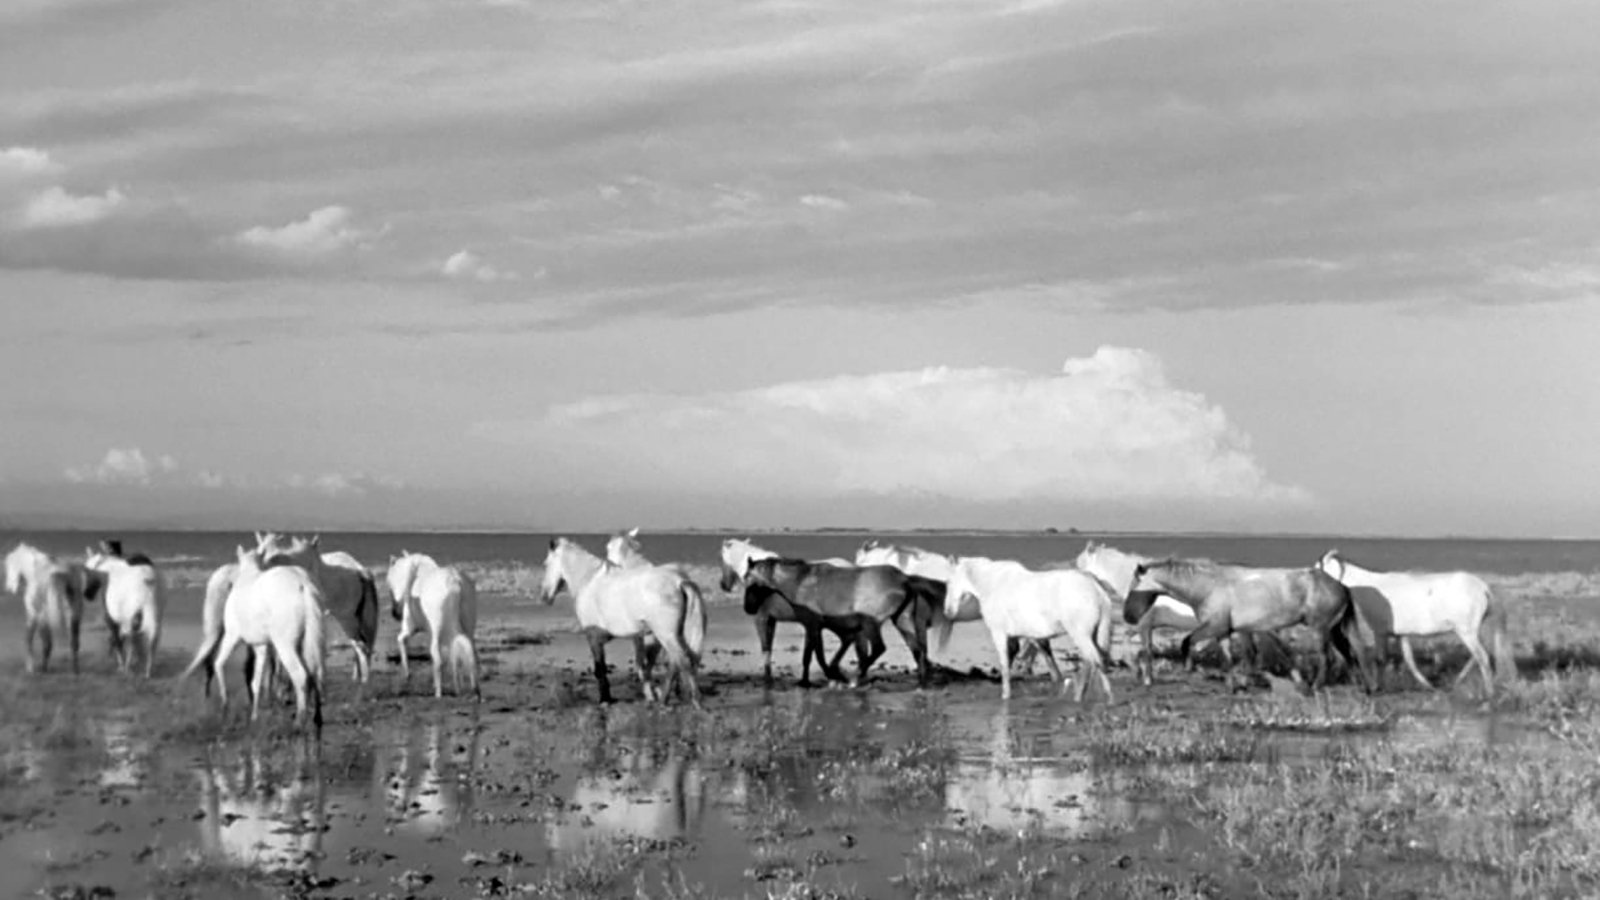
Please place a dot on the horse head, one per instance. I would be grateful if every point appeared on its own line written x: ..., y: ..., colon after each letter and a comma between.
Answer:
x: 957, y: 589
x: 624, y: 549
x: 1143, y: 590
x: 555, y: 576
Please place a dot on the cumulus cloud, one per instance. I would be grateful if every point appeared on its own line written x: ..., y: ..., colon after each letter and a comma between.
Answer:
x: 55, y: 207
x: 468, y: 266
x: 124, y: 466
x: 1108, y: 428
x: 25, y: 162
x: 323, y: 232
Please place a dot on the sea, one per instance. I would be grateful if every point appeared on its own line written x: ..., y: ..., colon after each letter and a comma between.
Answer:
x: 1509, y: 557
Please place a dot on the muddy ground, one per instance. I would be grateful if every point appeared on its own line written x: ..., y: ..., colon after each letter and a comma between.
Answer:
x: 1182, y: 790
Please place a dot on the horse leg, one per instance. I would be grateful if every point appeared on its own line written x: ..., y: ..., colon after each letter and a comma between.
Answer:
x: 32, y: 632
x: 644, y: 661
x: 1145, y: 664
x: 999, y: 639
x: 289, y: 659
x: 766, y: 627
x: 1411, y: 663
x: 597, y: 649
x: 72, y: 643
x: 1056, y: 674
x: 916, y: 638
x: 872, y: 634
x: 435, y: 652
x: 258, y: 683
x: 152, y: 636
x: 405, y: 662
x: 1480, y: 658
x: 1215, y: 629
x: 219, y: 663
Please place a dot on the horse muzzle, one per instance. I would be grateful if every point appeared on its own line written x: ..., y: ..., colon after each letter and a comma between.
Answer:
x: 729, y: 580
x: 1138, y: 603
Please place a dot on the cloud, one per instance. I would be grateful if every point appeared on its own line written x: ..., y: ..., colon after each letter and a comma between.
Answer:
x: 323, y: 232
x: 25, y: 162
x: 335, y: 484
x: 54, y: 207
x: 1106, y: 429
x: 125, y: 466
x: 823, y: 201
x: 468, y: 266
x: 132, y: 467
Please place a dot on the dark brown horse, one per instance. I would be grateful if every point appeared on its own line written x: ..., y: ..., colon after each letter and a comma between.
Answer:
x: 1228, y: 599
x: 853, y: 602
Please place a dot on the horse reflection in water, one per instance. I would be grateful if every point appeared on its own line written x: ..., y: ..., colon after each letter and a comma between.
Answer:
x: 431, y: 791
x: 1028, y: 784
x: 656, y: 792
x: 128, y: 755
x: 262, y: 807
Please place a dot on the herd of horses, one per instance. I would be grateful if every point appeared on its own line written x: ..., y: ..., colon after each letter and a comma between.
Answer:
x: 273, y: 600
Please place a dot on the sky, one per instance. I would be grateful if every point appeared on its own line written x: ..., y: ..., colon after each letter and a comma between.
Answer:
x: 583, y: 264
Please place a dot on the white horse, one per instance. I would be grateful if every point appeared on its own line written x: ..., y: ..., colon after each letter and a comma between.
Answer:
x: 1019, y: 602
x: 613, y: 602
x: 279, y: 608
x: 928, y: 564
x: 443, y: 600
x: 1424, y: 604
x: 1115, y: 568
x: 53, y: 594
x: 348, y: 589
x: 133, y: 606
x: 218, y: 587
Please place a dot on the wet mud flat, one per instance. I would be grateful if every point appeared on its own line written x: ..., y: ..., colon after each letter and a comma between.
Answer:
x: 1180, y: 790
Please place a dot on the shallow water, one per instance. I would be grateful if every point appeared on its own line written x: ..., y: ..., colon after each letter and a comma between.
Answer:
x: 845, y: 786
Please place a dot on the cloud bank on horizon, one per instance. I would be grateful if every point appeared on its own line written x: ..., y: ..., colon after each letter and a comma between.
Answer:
x: 1106, y: 428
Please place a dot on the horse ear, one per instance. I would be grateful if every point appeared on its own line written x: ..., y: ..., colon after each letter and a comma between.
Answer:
x: 633, y: 532
x: 554, y: 543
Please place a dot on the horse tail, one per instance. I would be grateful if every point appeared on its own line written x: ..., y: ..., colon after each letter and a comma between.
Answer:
x: 367, y: 616
x: 311, y: 640
x: 1494, y: 622
x: 1102, y: 634
x: 463, y: 651
x: 693, y: 626
x: 55, y: 604
x: 946, y: 626
x: 218, y: 587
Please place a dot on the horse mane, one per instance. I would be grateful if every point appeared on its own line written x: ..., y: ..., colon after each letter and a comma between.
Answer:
x: 1187, y: 565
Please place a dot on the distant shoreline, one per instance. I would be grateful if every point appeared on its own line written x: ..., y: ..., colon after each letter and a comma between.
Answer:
x: 826, y: 531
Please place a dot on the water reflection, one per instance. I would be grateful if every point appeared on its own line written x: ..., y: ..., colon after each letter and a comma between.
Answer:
x: 636, y: 786
x: 431, y: 789
x: 128, y: 755
x: 1028, y: 783
x: 262, y: 806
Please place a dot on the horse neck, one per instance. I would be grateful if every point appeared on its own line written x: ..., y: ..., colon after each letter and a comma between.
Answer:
x: 1191, y: 584
x: 580, y: 567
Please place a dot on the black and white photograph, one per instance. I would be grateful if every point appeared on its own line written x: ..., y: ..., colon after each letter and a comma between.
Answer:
x: 799, y: 449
